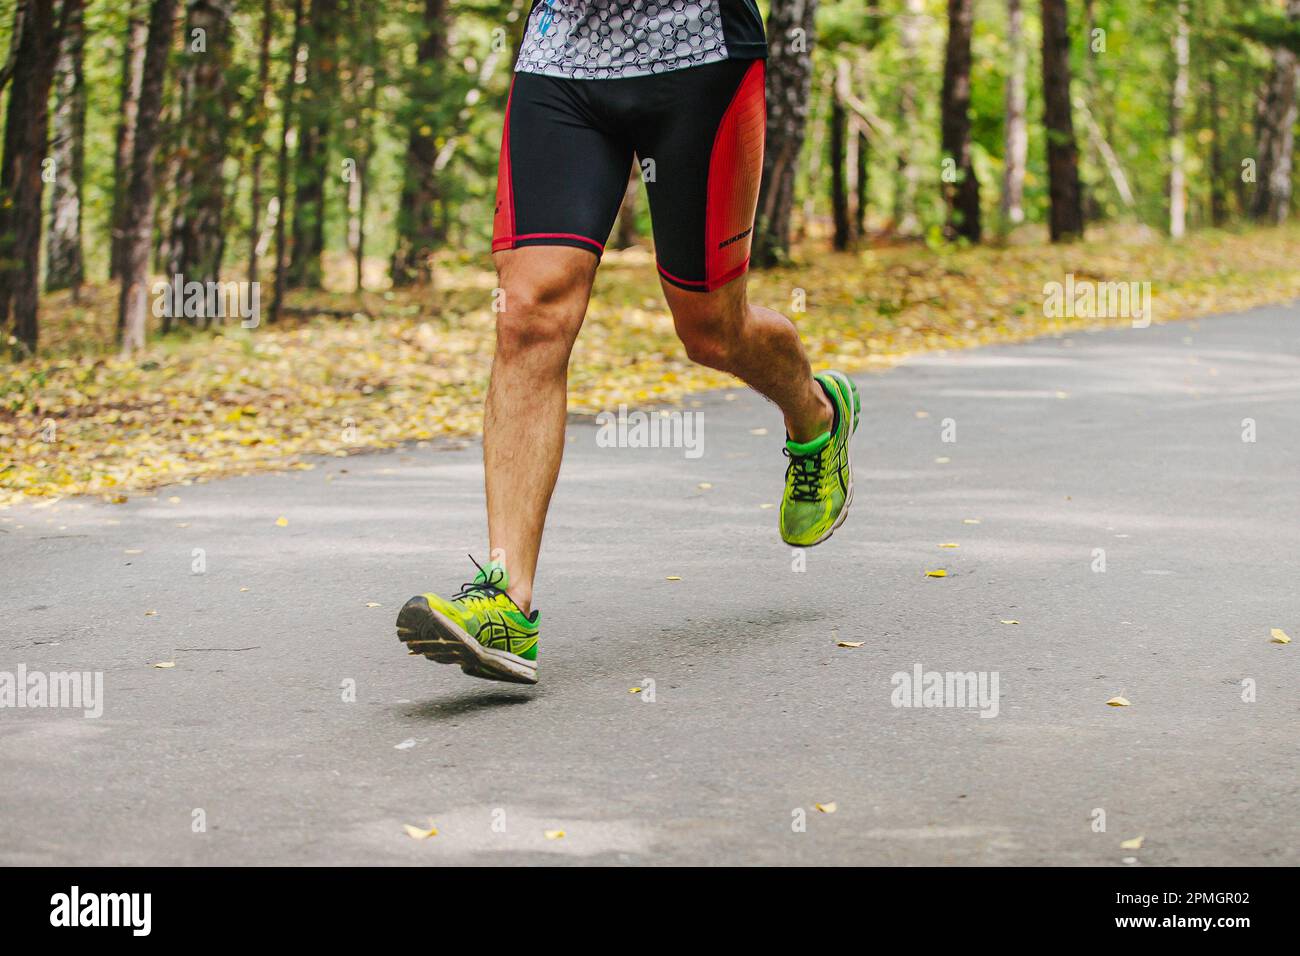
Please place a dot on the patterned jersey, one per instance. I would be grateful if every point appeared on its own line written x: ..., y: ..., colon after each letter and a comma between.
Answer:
x: 607, y: 39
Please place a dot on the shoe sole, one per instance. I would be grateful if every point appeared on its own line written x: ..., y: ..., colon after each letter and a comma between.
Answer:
x: 855, y: 409
x: 425, y: 630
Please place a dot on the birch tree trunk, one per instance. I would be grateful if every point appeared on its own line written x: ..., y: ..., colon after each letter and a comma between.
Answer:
x: 1016, y: 136
x: 790, y: 34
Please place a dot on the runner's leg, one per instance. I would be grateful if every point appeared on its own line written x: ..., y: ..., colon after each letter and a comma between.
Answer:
x: 545, y: 292
x: 562, y: 176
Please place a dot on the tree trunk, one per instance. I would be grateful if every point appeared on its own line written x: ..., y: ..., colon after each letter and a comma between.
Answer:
x: 137, y: 31
x: 906, y: 220
x: 204, y: 123
x: 257, y: 135
x: 1016, y: 149
x: 1177, y: 105
x: 282, y: 171
x: 1066, y: 217
x: 1275, y: 130
x: 838, y: 132
x: 138, y: 215
x: 26, y: 131
x: 860, y: 207
x: 962, y: 196
x: 790, y: 32
x: 364, y: 96
x: 64, y: 267
x: 418, y: 234
x: 319, y: 100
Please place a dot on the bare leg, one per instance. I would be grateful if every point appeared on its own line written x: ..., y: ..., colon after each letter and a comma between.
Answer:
x: 546, y: 289
x: 722, y: 330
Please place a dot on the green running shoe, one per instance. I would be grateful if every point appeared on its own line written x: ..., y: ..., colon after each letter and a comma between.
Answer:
x: 819, y: 478
x: 480, y: 628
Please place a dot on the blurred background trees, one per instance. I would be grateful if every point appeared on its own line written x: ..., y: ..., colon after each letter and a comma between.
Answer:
x: 349, y: 144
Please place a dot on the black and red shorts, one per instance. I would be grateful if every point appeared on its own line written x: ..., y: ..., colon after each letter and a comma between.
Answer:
x: 698, y: 135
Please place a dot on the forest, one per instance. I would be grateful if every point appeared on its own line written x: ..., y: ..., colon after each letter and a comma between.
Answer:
x: 200, y: 184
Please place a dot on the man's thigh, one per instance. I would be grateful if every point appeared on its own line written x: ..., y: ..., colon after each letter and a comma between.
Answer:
x: 707, y: 148
x: 562, y: 172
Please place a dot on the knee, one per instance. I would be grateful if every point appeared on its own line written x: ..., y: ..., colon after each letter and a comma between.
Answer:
x: 539, y: 317
x: 710, y: 337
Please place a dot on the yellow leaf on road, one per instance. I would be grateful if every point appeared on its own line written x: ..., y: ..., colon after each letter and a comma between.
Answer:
x: 373, y: 604
x: 1118, y: 702
x: 850, y: 643
x: 1133, y: 844
x: 941, y: 573
x: 416, y: 833
x: 826, y: 807
x: 950, y: 545
x: 1280, y: 636
x: 1008, y: 622
x: 282, y: 522
x: 165, y: 664
x: 673, y: 577
x: 970, y: 520
x: 554, y: 834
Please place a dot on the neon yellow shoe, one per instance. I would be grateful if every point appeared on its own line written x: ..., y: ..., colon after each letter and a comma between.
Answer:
x: 819, y: 478
x: 480, y: 628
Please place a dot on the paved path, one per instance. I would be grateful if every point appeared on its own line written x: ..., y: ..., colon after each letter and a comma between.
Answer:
x: 1128, y: 441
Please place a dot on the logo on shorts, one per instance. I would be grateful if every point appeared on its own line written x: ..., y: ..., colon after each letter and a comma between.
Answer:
x: 736, y: 238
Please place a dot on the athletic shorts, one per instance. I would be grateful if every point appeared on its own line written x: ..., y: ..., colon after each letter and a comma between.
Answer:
x: 697, y: 133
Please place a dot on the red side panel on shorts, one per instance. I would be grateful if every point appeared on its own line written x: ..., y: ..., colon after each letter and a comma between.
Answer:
x: 503, y: 222
x: 735, y: 169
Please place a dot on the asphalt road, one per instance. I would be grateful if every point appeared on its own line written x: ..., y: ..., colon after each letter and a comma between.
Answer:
x: 1129, y: 441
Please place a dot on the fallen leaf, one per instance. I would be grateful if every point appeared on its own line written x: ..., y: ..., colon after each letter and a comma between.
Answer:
x: 950, y: 545
x: 134, y: 551
x: 282, y: 522
x: 766, y: 506
x: 704, y: 485
x: 942, y: 461
x: 1008, y: 622
x: 941, y: 573
x: 1133, y: 844
x: 634, y: 690
x: 922, y: 414
x: 243, y: 589
x: 174, y: 500
x: 556, y: 834
x: 165, y: 664
x: 970, y: 520
x: 672, y: 577
x: 1118, y: 702
x: 826, y: 807
x: 415, y: 833
x: 406, y: 744
x: 1280, y: 636
x: 373, y: 604
x: 758, y: 431
x: 150, y: 613
x: 850, y: 643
